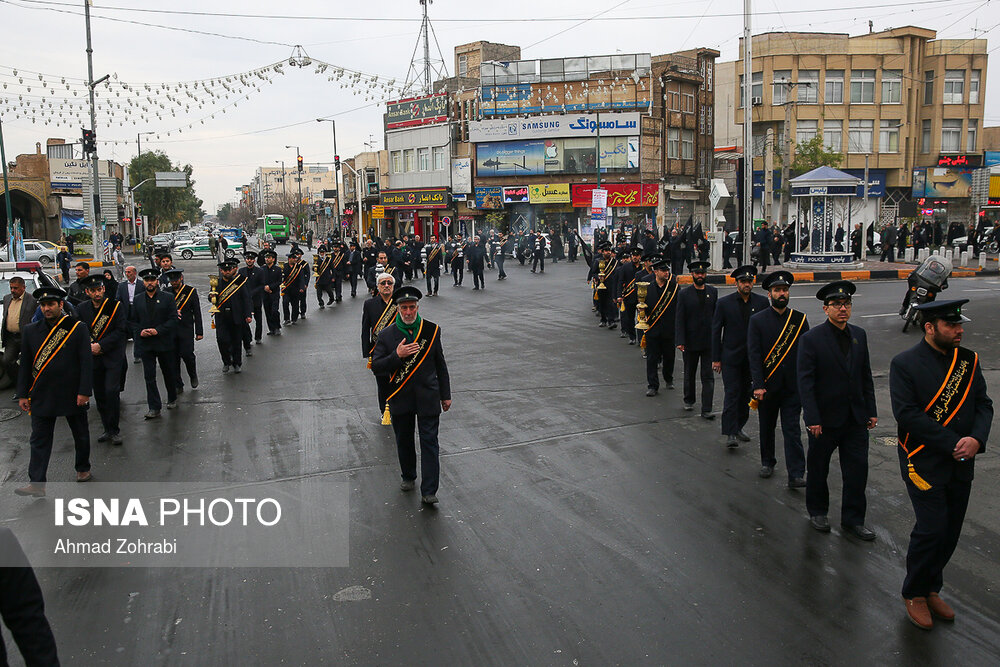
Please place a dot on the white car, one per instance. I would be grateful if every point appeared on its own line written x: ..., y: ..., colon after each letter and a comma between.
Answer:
x: 43, y: 252
x: 199, y: 248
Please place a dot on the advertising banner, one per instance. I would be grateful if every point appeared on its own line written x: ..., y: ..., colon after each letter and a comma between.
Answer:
x: 619, y: 194
x: 490, y: 196
x: 942, y: 182
x: 416, y: 111
x: 549, y: 193
x: 564, y: 96
x: 510, y: 158
x: 68, y: 174
x: 515, y: 194
x: 418, y: 198
x: 555, y: 156
x: 461, y: 175
x: 547, y: 127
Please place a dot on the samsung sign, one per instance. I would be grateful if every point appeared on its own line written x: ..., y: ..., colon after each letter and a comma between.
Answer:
x: 549, y: 127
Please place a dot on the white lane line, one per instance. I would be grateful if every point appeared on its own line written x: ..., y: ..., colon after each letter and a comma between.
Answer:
x: 882, y: 315
x: 981, y: 289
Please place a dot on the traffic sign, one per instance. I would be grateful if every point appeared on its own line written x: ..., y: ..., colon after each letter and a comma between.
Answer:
x: 378, y: 211
x: 446, y: 221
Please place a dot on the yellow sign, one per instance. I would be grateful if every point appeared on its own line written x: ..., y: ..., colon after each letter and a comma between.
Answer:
x: 994, y: 186
x: 549, y: 193
x: 378, y: 211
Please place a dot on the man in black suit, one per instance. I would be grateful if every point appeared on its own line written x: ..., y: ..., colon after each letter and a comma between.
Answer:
x: 538, y: 254
x: 18, y: 309
x: 22, y: 606
x: 255, y: 282
x: 106, y: 319
x: 153, y: 319
x: 127, y: 291
x: 234, y: 304
x: 271, y: 292
x: 74, y: 293
x: 323, y: 270
x: 294, y: 280
x: 763, y: 240
x: 773, y: 337
x: 54, y: 380
x: 695, y: 310
x: 838, y: 404
x: 729, y: 352
x: 354, y: 266
x: 435, y: 256
x: 625, y: 291
x: 189, y: 327
x: 940, y: 433
x: 661, y: 318
x: 411, y: 354
x: 476, y: 258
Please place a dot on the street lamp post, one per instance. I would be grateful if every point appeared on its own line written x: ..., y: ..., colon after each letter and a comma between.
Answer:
x: 95, y: 227
x: 298, y: 204
x: 138, y: 160
x: 336, y: 167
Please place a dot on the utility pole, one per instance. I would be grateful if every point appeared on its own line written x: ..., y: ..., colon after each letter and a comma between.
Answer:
x: 336, y: 168
x: 298, y: 177
x: 747, y: 225
x: 95, y: 224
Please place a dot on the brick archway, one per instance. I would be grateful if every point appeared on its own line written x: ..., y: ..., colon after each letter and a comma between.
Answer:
x: 27, y: 202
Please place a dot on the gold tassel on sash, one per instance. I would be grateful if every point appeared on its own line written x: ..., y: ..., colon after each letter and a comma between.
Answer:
x: 917, y: 480
x: 386, y: 417
x: 369, y: 363
x: 621, y: 307
x: 642, y: 343
x: 754, y: 403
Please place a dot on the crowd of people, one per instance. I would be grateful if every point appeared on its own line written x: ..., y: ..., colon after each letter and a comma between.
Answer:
x: 773, y: 362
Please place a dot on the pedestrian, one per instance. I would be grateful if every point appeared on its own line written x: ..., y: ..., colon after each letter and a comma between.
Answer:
x: 377, y: 313
x: 324, y: 277
x: 74, y: 292
x: 213, y: 245
x: 255, y: 283
x: 773, y: 338
x: 434, y: 255
x: 943, y: 419
x: 354, y: 266
x: 695, y: 310
x: 762, y: 243
x: 476, y: 258
x: 127, y: 290
x: 294, y: 280
x: 538, y: 254
x: 604, y: 272
x: 153, y: 319
x: 412, y: 355
x: 500, y: 255
x: 338, y: 266
x: 661, y: 318
x: 729, y: 352
x: 54, y: 380
x: 457, y: 261
x: 18, y: 309
x: 235, y: 308
x: 63, y: 260
x: 189, y: 328
x: 71, y: 244
x: 106, y: 320
x: 309, y: 239
x: 271, y: 292
x: 625, y: 297
x: 838, y: 406
x: 888, y: 243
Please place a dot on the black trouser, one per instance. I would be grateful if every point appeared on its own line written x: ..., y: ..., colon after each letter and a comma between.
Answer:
x: 458, y: 272
x: 607, y: 306
x: 271, y: 312
x: 737, y: 385
x: 229, y: 336
x: 354, y: 284
x: 11, y: 353
x: 572, y: 253
x: 427, y: 425
x: 42, y: 431
x: 338, y: 284
x: 302, y: 303
x: 628, y: 319
x: 692, y: 360
x: 888, y: 251
x: 408, y: 271
x: 326, y: 289
x: 785, y: 404
x: 107, y: 383
x: 536, y: 259
x: 184, y: 351
x: 382, y: 386
x: 852, y: 441
x: 478, y: 280
x: 657, y: 350
x: 291, y: 300
x: 498, y: 260
x: 257, y: 304
x: 435, y: 275
x: 939, y: 512
x: 165, y: 358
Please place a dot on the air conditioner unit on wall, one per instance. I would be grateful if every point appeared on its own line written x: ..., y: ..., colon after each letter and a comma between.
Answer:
x: 757, y: 101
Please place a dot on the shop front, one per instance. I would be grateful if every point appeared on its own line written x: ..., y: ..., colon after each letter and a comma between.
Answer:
x: 629, y: 204
x: 416, y: 211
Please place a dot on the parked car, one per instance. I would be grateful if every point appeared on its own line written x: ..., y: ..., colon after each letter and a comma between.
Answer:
x: 34, y: 277
x: 199, y: 248
x: 35, y: 250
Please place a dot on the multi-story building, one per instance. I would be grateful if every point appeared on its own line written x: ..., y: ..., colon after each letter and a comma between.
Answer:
x: 364, y: 176
x: 277, y: 190
x: 904, y: 105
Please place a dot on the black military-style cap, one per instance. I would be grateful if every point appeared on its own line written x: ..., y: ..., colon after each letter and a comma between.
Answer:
x: 149, y: 273
x: 174, y: 273
x: 745, y: 272
x: 604, y: 246
x: 49, y: 294
x: 406, y: 293
x: 321, y: 248
x: 949, y: 311
x: 698, y: 266
x: 249, y: 254
x: 228, y: 264
x: 637, y: 250
x: 91, y: 282
x: 839, y: 289
x: 298, y: 252
x: 777, y: 279
x: 269, y: 253
x: 661, y: 263
x: 651, y: 256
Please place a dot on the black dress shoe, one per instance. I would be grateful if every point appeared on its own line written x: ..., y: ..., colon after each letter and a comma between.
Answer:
x: 859, y: 532
x: 742, y: 437
x: 613, y: 325
x: 766, y: 471
x: 194, y: 381
x: 104, y: 437
x: 631, y: 341
x: 796, y: 483
x: 707, y: 415
x: 603, y: 324
x: 689, y: 407
x: 820, y: 523
x: 651, y: 392
x: 731, y: 442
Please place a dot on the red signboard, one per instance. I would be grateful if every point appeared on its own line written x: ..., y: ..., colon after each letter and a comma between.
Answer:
x: 960, y: 160
x: 619, y: 194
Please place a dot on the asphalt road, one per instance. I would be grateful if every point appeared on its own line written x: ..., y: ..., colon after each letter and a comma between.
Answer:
x: 580, y: 522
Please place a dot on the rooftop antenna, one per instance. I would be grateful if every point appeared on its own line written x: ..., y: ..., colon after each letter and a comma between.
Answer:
x: 424, y: 68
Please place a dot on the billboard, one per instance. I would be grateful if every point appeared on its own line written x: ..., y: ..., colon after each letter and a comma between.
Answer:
x: 555, y: 156
x: 489, y: 196
x: 510, y: 158
x: 619, y: 194
x: 547, y: 127
x: 562, y: 96
x: 461, y: 175
x: 549, y: 193
x: 942, y: 182
x: 416, y: 111
x: 68, y: 174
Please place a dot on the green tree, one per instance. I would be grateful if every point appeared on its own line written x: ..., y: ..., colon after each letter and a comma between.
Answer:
x: 812, y: 154
x: 225, y: 212
x: 166, y: 207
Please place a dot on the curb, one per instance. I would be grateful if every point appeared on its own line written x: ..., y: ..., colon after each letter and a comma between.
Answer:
x: 94, y: 264
x: 829, y: 276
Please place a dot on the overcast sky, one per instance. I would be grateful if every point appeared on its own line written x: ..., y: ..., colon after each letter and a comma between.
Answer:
x: 48, y: 36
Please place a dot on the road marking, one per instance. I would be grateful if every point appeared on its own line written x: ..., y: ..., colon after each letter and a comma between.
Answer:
x: 882, y: 315
x: 981, y: 289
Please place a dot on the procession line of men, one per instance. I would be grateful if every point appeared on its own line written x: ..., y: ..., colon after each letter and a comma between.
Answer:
x: 772, y: 361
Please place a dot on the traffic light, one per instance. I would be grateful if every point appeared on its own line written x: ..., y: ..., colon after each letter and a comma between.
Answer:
x: 89, y: 141
x: 336, y: 162
x: 138, y: 212
x: 299, y: 159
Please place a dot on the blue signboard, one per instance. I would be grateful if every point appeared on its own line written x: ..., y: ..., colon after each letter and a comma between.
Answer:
x: 489, y: 196
x: 991, y: 158
x: 876, y: 182
x: 510, y: 158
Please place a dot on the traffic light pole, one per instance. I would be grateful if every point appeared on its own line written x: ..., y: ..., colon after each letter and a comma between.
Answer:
x: 95, y: 184
x: 336, y: 171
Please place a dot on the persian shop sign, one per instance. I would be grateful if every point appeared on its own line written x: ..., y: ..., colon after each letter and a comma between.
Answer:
x: 619, y: 194
x: 416, y: 111
x: 515, y: 194
x: 549, y: 193
x: 423, y: 198
x: 549, y: 127
x: 960, y: 160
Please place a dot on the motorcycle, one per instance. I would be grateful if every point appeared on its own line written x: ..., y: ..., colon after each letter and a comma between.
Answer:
x: 924, y: 284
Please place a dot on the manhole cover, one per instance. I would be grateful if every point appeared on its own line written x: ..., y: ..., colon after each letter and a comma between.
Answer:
x: 7, y: 414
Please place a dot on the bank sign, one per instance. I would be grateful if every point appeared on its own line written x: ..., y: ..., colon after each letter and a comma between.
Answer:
x: 416, y: 111
x: 549, y: 127
x: 421, y: 198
